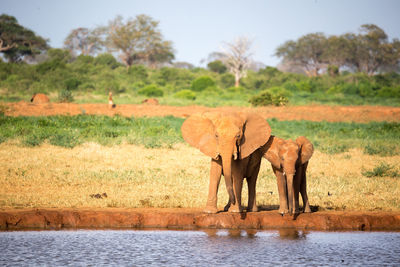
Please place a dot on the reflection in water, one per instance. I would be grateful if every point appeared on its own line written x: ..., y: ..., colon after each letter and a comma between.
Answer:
x: 292, y: 234
x: 234, y: 233
x: 198, y: 248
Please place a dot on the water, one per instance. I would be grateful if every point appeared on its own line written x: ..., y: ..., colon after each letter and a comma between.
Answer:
x: 198, y: 248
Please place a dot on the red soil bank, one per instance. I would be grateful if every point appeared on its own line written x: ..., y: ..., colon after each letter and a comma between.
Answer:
x: 112, y: 218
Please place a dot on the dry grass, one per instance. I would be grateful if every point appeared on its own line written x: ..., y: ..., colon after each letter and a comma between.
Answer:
x: 134, y: 176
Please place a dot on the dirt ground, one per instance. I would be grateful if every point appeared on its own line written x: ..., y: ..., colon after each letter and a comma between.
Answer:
x: 115, y: 218
x: 312, y: 113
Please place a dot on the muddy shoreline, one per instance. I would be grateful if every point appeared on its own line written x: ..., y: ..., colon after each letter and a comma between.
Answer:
x: 115, y: 218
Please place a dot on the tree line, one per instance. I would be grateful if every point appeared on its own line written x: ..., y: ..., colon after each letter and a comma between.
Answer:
x: 132, y: 57
x: 369, y: 51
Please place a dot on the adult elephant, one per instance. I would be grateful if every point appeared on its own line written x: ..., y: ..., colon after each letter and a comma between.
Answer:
x: 233, y: 141
x: 289, y: 161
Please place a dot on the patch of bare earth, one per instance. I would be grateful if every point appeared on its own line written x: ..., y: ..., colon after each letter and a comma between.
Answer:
x: 312, y: 112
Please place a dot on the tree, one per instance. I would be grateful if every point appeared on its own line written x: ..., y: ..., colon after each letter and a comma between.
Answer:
x: 217, y: 66
x: 374, y: 50
x: 138, y: 41
x: 237, y: 57
x: 307, y: 52
x: 17, y: 42
x: 85, y: 41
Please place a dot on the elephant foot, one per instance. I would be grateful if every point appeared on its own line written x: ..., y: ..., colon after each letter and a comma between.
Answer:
x: 227, y: 206
x: 210, y: 209
x: 307, y: 209
x: 253, y: 209
x: 235, y: 209
x: 283, y: 211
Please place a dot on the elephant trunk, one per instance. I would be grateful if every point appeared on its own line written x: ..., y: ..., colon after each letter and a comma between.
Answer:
x: 227, y: 170
x: 290, y: 191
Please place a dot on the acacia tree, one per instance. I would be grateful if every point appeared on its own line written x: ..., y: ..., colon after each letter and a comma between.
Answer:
x: 373, y: 50
x: 237, y: 57
x: 85, y: 41
x: 17, y: 42
x: 369, y: 51
x: 138, y: 41
x: 307, y: 52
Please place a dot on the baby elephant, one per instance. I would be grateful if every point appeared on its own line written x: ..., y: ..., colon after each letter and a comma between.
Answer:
x: 289, y: 160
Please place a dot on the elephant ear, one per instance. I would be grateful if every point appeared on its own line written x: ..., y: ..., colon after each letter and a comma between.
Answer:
x: 199, y: 132
x: 256, y: 132
x: 306, y: 149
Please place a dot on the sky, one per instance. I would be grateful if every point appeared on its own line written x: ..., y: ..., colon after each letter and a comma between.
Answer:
x: 198, y: 28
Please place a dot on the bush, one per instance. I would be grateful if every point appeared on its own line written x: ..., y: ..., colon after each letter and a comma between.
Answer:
x: 262, y: 99
x: 151, y: 90
x: 138, y: 73
x: 186, y: 94
x: 107, y: 60
x: 65, y: 96
x: 217, y: 66
x: 226, y: 80
x: 277, y: 96
x: 382, y: 170
x: 72, y: 83
x: 202, y: 83
x: 389, y: 92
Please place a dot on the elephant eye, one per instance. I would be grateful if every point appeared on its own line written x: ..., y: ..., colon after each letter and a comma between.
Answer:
x: 216, y: 135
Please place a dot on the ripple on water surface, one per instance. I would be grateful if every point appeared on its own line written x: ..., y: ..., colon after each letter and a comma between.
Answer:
x: 198, y: 248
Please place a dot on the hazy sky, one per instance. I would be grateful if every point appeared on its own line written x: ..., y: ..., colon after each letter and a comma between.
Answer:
x: 198, y: 28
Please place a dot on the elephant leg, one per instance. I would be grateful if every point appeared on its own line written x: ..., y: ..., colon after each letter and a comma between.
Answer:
x: 282, y: 190
x: 251, y: 184
x: 296, y: 190
x: 215, y: 177
x: 237, y: 176
x: 303, y: 189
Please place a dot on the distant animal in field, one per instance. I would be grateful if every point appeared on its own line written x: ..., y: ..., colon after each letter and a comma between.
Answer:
x: 150, y: 101
x: 110, y: 101
x: 40, y: 99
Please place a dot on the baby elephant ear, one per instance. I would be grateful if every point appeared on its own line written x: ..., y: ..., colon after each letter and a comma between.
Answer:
x: 306, y: 149
x: 256, y: 132
x: 199, y: 132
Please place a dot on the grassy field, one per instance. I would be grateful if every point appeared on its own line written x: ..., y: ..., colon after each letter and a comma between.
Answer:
x: 70, y: 161
x: 135, y: 176
x: 374, y: 138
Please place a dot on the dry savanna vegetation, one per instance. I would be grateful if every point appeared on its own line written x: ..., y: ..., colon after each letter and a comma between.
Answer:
x: 126, y: 175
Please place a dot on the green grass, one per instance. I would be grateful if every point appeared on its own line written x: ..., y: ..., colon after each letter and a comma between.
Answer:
x: 374, y: 138
x: 69, y: 131
x: 382, y: 170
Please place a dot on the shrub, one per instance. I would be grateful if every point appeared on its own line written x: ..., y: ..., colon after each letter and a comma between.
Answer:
x: 186, y: 94
x: 277, y: 96
x: 107, y: 60
x: 138, y: 73
x: 65, y: 96
x: 382, y: 170
x: 217, y: 66
x: 262, y: 99
x: 389, y: 92
x: 72, y: 83
x: 151, y: 90
x: 202, y: 83
x: 226, y: 80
